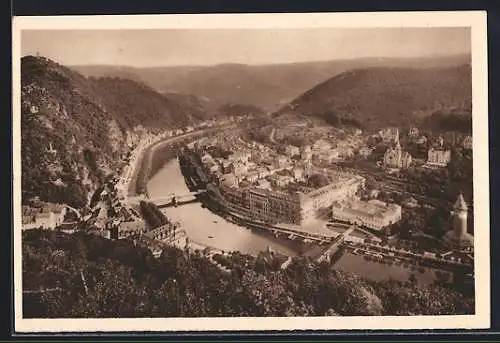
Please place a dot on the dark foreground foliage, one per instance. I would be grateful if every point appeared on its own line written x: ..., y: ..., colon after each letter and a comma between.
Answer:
x: 88, y: 276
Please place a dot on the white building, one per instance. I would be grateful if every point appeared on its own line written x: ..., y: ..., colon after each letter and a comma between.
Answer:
x: 467, y: 143
x: 306, y: 156
x: 263, y: 172
x: 46, y: 220
x: 252, y: 176
x: 343, y: 186
x: 365, y: 151
x: 413, y: 132
x: 292, y: 150
x: 328, y: 156
x: 345, y: 152
x: 239, y: 169
x: 389, y: 135
x: 298, y: 173
x: 321, y: 145
x: 280, y: 180
x: 264, y: 184
x: 438, y: 157
x: 281, y: 161
x: 240, y: 156
x: 373, y: 214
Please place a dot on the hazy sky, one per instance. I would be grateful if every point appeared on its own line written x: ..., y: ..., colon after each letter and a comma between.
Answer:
x: 144, y: 48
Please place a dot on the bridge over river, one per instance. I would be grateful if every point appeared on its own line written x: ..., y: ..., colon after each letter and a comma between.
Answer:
x: 176, y: 199
x: 335, y: 244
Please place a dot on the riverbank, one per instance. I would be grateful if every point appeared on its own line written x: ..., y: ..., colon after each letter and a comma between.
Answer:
x: 145, y: 167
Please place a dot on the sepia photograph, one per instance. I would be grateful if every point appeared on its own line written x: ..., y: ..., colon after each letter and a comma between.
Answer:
x: 251, y: 172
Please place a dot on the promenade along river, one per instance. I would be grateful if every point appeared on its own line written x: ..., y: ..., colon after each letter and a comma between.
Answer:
x: 206, y: 228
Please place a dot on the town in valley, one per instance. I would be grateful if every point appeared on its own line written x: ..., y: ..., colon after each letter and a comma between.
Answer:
x: 278, y: 201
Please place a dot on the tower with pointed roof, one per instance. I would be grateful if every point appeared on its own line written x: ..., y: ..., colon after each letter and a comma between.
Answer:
x: 458, y: 238
x: 397, y: 144
x: 460, y: 216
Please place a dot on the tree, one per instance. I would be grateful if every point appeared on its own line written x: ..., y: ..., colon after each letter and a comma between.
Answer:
x: 126, y: 281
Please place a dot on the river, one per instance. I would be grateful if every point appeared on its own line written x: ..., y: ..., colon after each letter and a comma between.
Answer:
x: 206, y: 228
x: 358, y: 265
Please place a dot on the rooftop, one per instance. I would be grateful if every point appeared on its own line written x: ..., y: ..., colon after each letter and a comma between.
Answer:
x: 373, y: 208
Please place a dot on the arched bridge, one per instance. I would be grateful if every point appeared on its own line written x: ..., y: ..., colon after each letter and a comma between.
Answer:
x: 176, y: 199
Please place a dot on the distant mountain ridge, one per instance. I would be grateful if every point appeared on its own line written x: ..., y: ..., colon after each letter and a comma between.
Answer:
x: 74, y: 128
x: 375, y: 97
x: 265, y: 86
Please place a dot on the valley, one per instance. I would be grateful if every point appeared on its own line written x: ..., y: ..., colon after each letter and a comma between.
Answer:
x: 289, y: 169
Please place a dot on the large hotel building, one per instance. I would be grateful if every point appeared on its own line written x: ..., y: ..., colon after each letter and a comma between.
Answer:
x: 276, y: 206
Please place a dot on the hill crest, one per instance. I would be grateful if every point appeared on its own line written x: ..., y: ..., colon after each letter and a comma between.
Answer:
x: 374, y: 97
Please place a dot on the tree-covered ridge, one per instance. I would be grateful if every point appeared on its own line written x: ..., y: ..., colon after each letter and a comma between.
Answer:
x: 377, y: 97
x: 265, y: 86
x: 88, y: 276
x: 137, y: 104
x: 67, y: 138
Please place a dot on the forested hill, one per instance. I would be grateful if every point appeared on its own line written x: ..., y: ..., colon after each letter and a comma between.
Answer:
x: 265, y: 86
x: 375, y: 97
x: 125, y: 281
x: 134, y: 103
x: 73, y: 128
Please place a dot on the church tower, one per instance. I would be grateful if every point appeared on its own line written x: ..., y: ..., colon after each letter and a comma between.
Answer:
x: 397, y: 149
x: 460, y: 216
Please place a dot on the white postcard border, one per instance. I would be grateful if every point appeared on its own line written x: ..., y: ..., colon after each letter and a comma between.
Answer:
x: 474, y: 19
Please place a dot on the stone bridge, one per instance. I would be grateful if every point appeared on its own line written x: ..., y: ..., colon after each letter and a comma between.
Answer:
x: 176, y: 199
